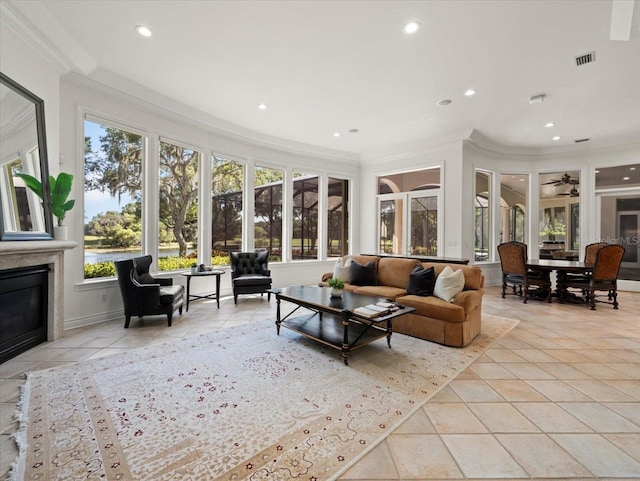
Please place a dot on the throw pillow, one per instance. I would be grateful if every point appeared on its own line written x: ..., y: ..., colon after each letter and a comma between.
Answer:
x: 342, y: 269
x: 363, y: 275
x: 449, y: 284
x: 421, y: 281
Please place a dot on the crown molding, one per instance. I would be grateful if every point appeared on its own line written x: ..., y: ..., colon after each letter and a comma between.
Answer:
x: 106, y: 83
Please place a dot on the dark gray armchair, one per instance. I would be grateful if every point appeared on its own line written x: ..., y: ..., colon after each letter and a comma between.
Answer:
x: 144, y: 295
x: 250, y: 273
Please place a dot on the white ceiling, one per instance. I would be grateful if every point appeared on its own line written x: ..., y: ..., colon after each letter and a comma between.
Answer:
x: 330, y: 66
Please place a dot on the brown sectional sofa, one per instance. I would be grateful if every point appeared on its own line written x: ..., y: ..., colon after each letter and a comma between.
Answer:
x: 453, y: 323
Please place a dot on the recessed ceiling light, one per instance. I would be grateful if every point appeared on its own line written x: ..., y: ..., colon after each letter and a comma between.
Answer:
x: 336, y: 134
x: 411, y: 27
x: 521, y: 180
x: 144, y: 31
x: 262, y: 106
x: 549, y: 124
x: 597, y: 171
x: 632, y: 168
x: 443, y: 102
x: 626, y: 178
x: 557, y: 137
x: 470, y: 92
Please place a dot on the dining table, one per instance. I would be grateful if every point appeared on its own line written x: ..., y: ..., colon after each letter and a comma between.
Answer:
x: 561, y: 267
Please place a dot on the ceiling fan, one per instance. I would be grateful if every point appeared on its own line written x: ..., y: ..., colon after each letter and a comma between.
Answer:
x: 565, y: 179
x: 572, y: 193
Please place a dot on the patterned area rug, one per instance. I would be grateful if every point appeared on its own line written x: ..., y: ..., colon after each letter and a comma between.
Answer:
x: 240, y: 403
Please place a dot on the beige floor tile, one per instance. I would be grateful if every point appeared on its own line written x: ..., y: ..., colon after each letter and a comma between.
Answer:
x: 568, y: 343
x: 558, y: 391
x: 481, y: 456
x: 566, y: 355
x: 602, y: 355
x: 599, y: 391
x: 377, y: 464
x: 490, y: 371
x: 599, y: 371
x: 598, y: 455
x: 526, y: 370
x: 16, y: 369
x: 445, y: 395
x: 453, y: 418
x: 631, y: 369
x: 630, y: 411
x: 534, y: 355
x: 504, y: 355
x: 8, y: 452
x: 475, y: 391
x: 502, y: 418
x: 551, y: 418
x: 422, y: 457
x: 75, y: 354
x: 600, y: 418
x: 629, y: 443
x: 418, y: 423
x: 541, y: 457
x: 561, y: 370
x: 630, y: 387
x: 514, y: 390
x: 10, y: 390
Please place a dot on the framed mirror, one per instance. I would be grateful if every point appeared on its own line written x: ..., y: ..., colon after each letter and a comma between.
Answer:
x: 24, y: 215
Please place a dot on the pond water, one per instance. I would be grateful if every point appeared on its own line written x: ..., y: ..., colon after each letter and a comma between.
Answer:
x: 95, y: 257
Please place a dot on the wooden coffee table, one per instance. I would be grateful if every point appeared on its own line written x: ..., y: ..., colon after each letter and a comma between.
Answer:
x: 332, y: 320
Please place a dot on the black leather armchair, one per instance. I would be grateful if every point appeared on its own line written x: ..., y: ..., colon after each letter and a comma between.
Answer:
x: 250, y: 273
x: 144, y: 295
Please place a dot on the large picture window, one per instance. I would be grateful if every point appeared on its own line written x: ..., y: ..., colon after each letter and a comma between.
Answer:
x: 305, y: 216
x: 268, y: 211
x: 338, y: 217
x: 227, y: 185
x: 178, y: 213
x: 513, y: 198
x: 112, y: 197
x: 482, y: 215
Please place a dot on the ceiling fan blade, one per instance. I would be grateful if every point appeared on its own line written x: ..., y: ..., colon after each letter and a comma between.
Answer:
x: 553, y: 182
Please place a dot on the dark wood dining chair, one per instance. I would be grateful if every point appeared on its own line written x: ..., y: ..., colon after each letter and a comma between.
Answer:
x: 513, y: 260
x: 604, y: 277
x: 590, y: 252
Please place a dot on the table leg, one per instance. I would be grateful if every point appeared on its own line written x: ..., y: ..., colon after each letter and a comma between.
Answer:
x: 218, y: 290
x: 278, y: 321
x: 389, y: 332
x: 345, y: 341
x: 188, y: 290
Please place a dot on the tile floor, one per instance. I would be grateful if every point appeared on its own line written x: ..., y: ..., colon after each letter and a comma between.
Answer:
x: 558, y: 397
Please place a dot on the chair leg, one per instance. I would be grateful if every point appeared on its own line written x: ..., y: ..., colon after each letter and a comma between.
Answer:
x: 235, y: 298
x: 504, y: 287
x: 268, y: 297
x: 180, y: 310
x: 169, y: 316
x: 127, y: 320
x: 591, y: 298
x: 526, y: 291
x: 615, y: 299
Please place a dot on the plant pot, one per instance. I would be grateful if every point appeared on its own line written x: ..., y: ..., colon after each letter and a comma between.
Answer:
x: 336, y: 292
x: 60, y: 232
x: 194, y: 270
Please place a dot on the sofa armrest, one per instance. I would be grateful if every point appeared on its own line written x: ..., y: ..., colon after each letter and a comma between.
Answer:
x: 164, y: 281
x: 468, y: 300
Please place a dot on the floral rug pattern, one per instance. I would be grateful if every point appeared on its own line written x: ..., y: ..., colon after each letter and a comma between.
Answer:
x: 238, y: 404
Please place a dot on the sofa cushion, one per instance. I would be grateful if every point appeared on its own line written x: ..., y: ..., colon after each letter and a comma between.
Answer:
x: 342, y: 269
x: 433, y: 307
x: 363, y: 275
x: 421, y: 281
x: 171, y: 294
x: 473, y: 277
x: 394, y: 271
x: 448, y: 284
x: 388, y: 292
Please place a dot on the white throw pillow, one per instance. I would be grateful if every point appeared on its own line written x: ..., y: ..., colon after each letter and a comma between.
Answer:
x: 449, y: 284
x: 342, y: 270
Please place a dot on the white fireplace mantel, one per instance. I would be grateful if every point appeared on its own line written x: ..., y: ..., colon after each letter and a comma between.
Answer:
x: 18, y: 254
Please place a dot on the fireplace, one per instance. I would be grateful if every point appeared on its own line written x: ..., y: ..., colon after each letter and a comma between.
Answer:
x: 47, y: 258
x: 23, y: 312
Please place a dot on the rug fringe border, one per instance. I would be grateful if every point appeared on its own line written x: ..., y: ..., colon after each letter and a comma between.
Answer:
x: 379, y: 441
x: 17, y: 470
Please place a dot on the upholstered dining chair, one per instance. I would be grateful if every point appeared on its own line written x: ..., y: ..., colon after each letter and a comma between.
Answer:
x: 590, y: 252
x: 250, y: 273
x: 513, y: 260
x: 145, y: 295
x: 604, y: 277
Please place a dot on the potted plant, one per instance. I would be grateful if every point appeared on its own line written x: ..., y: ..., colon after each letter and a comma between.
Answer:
x: 194, y: 268
x: 336, y: 285
x: 60, y: 205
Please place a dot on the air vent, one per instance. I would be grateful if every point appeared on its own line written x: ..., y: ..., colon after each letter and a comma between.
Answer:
x: 586, y: 58
x: 577, y: 141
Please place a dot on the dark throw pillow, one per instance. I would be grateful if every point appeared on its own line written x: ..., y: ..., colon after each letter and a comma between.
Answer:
x: 363, y: 275
x: 421, y: 281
